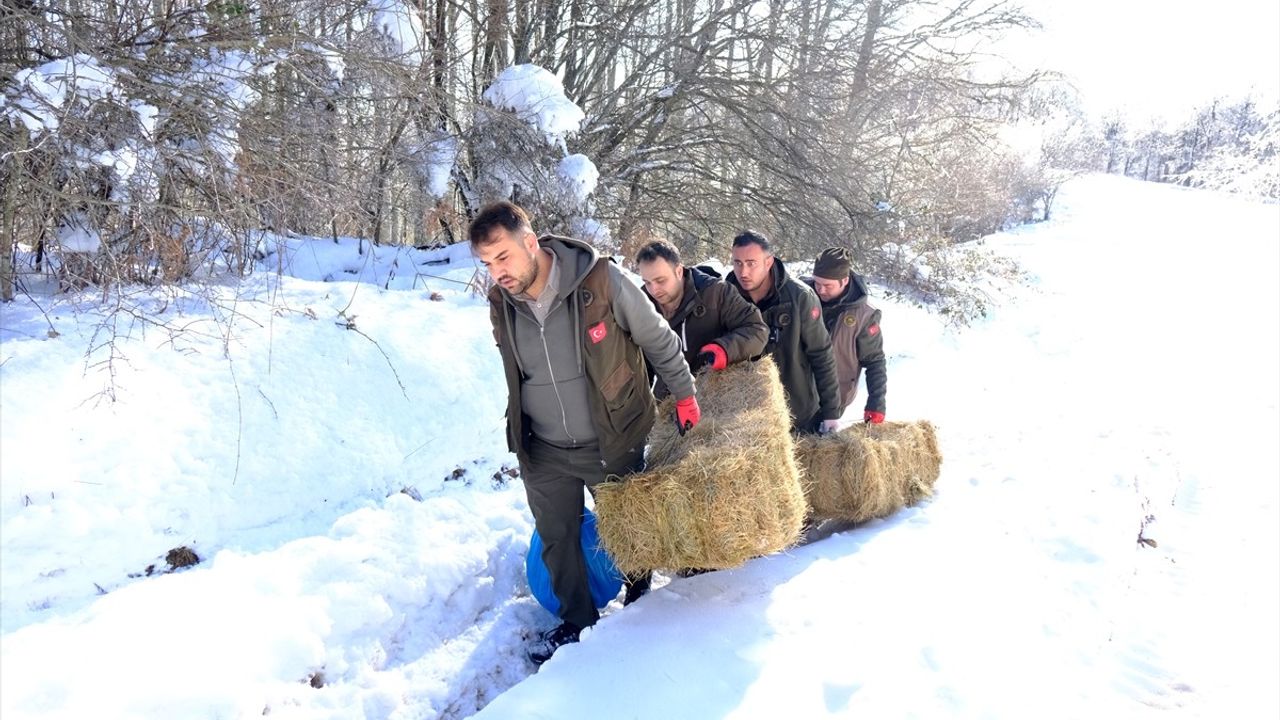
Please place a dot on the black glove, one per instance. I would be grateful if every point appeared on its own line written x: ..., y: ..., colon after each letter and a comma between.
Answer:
x: 705, y: 359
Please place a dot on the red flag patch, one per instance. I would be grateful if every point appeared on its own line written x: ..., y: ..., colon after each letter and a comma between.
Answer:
x: 597, y: 332
x: 873, y: 329
x: 814, y: 313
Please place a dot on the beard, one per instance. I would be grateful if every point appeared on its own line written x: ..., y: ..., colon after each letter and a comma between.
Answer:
x: 523, y: 280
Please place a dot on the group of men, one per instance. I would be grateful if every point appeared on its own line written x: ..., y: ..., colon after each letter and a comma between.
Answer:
x: 584, y: 351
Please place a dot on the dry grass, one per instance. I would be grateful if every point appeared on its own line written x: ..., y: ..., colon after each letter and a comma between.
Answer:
x: 869, y: 471
x: 724, y: 493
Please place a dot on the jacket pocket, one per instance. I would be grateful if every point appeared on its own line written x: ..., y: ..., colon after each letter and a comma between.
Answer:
x: 626, y: 410
x: 624, y: 402
x: 613, y: 385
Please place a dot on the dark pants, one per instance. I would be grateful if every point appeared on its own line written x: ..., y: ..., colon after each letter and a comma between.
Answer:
x: 808, y: 427
x: 553, y: 482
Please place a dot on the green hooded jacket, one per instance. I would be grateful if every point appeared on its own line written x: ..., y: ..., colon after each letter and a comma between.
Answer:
x: 801, y: 347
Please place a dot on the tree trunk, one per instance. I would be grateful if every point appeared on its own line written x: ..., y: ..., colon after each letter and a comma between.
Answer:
x: 865, y: 49
x: 495, y: 41
x: 1049, y: 196
x: 571, y: 53
x: 439, y: 66
x: 546, y: 51
x: 7, y: 232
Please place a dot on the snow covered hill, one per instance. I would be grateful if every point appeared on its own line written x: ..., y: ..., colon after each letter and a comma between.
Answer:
x: 329, y: 443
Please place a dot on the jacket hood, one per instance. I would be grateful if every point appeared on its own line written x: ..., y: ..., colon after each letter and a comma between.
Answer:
x: 576, y: 260
x: 702, y: 275
x: 779, y: 272
x: 705, y: 274
x: 692, y: 282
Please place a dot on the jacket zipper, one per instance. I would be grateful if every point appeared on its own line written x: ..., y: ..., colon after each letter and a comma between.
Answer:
x: 555, y: 386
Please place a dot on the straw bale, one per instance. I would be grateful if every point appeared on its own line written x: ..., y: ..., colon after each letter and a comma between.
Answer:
x: 869, y: 470
x: 726, y: 492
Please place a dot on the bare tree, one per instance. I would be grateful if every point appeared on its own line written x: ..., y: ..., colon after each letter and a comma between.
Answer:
x: 858, y: 122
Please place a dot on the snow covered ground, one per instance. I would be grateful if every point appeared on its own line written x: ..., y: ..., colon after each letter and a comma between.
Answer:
x: 328, y: 441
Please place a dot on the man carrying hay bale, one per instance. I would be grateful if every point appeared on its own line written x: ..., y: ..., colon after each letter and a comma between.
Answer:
x: 715, y: 324
x: 854, y: 326
x: 798, y: 341
x: 574, y: 335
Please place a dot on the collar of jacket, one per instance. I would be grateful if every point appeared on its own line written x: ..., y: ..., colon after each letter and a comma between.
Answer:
x: 576, y: 259
x: 694, y: 281
x: 779, y: 273
x: 854, y: 293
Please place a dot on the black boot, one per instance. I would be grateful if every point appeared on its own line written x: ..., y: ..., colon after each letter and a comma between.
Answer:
x: 551, y: 641
x: 637, y: 585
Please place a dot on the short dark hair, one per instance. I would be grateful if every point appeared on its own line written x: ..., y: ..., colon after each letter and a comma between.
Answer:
x: 501, y: 214
x: 751, y: 237
x: 659, y: 249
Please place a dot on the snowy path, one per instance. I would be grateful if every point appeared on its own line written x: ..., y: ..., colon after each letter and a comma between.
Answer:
x: 1133, y: 388
x: 1138, y: 377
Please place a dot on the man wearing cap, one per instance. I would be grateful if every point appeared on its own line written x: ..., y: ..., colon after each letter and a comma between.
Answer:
x: 798, y: 341
x: 854, y: 326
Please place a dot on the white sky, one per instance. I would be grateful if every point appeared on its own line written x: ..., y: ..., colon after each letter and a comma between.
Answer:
x: 1147, y: 58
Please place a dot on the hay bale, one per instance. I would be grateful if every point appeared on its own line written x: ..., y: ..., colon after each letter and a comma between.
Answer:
x: 869, y: 471
x: 724, y: 493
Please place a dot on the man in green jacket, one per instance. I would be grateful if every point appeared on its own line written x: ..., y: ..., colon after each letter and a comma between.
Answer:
x: 576, y: 339
x: 715, y: 324
x: 854, y: 326
x: 798, y: 341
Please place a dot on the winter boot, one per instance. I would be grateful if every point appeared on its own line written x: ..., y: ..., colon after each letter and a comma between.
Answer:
x: 637, y: 585
x: 551, y: 641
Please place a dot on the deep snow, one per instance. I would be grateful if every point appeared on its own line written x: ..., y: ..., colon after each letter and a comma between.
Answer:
x: 285, y: 429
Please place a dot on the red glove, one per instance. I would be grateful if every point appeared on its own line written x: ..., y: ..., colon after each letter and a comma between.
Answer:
x: 687, y: 414
x: 872, y: 416
x: 719, y: 360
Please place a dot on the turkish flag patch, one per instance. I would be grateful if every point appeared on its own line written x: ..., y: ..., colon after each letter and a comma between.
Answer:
x: 597, y: 332
x: 814, y: 313
x: 873, y: 329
